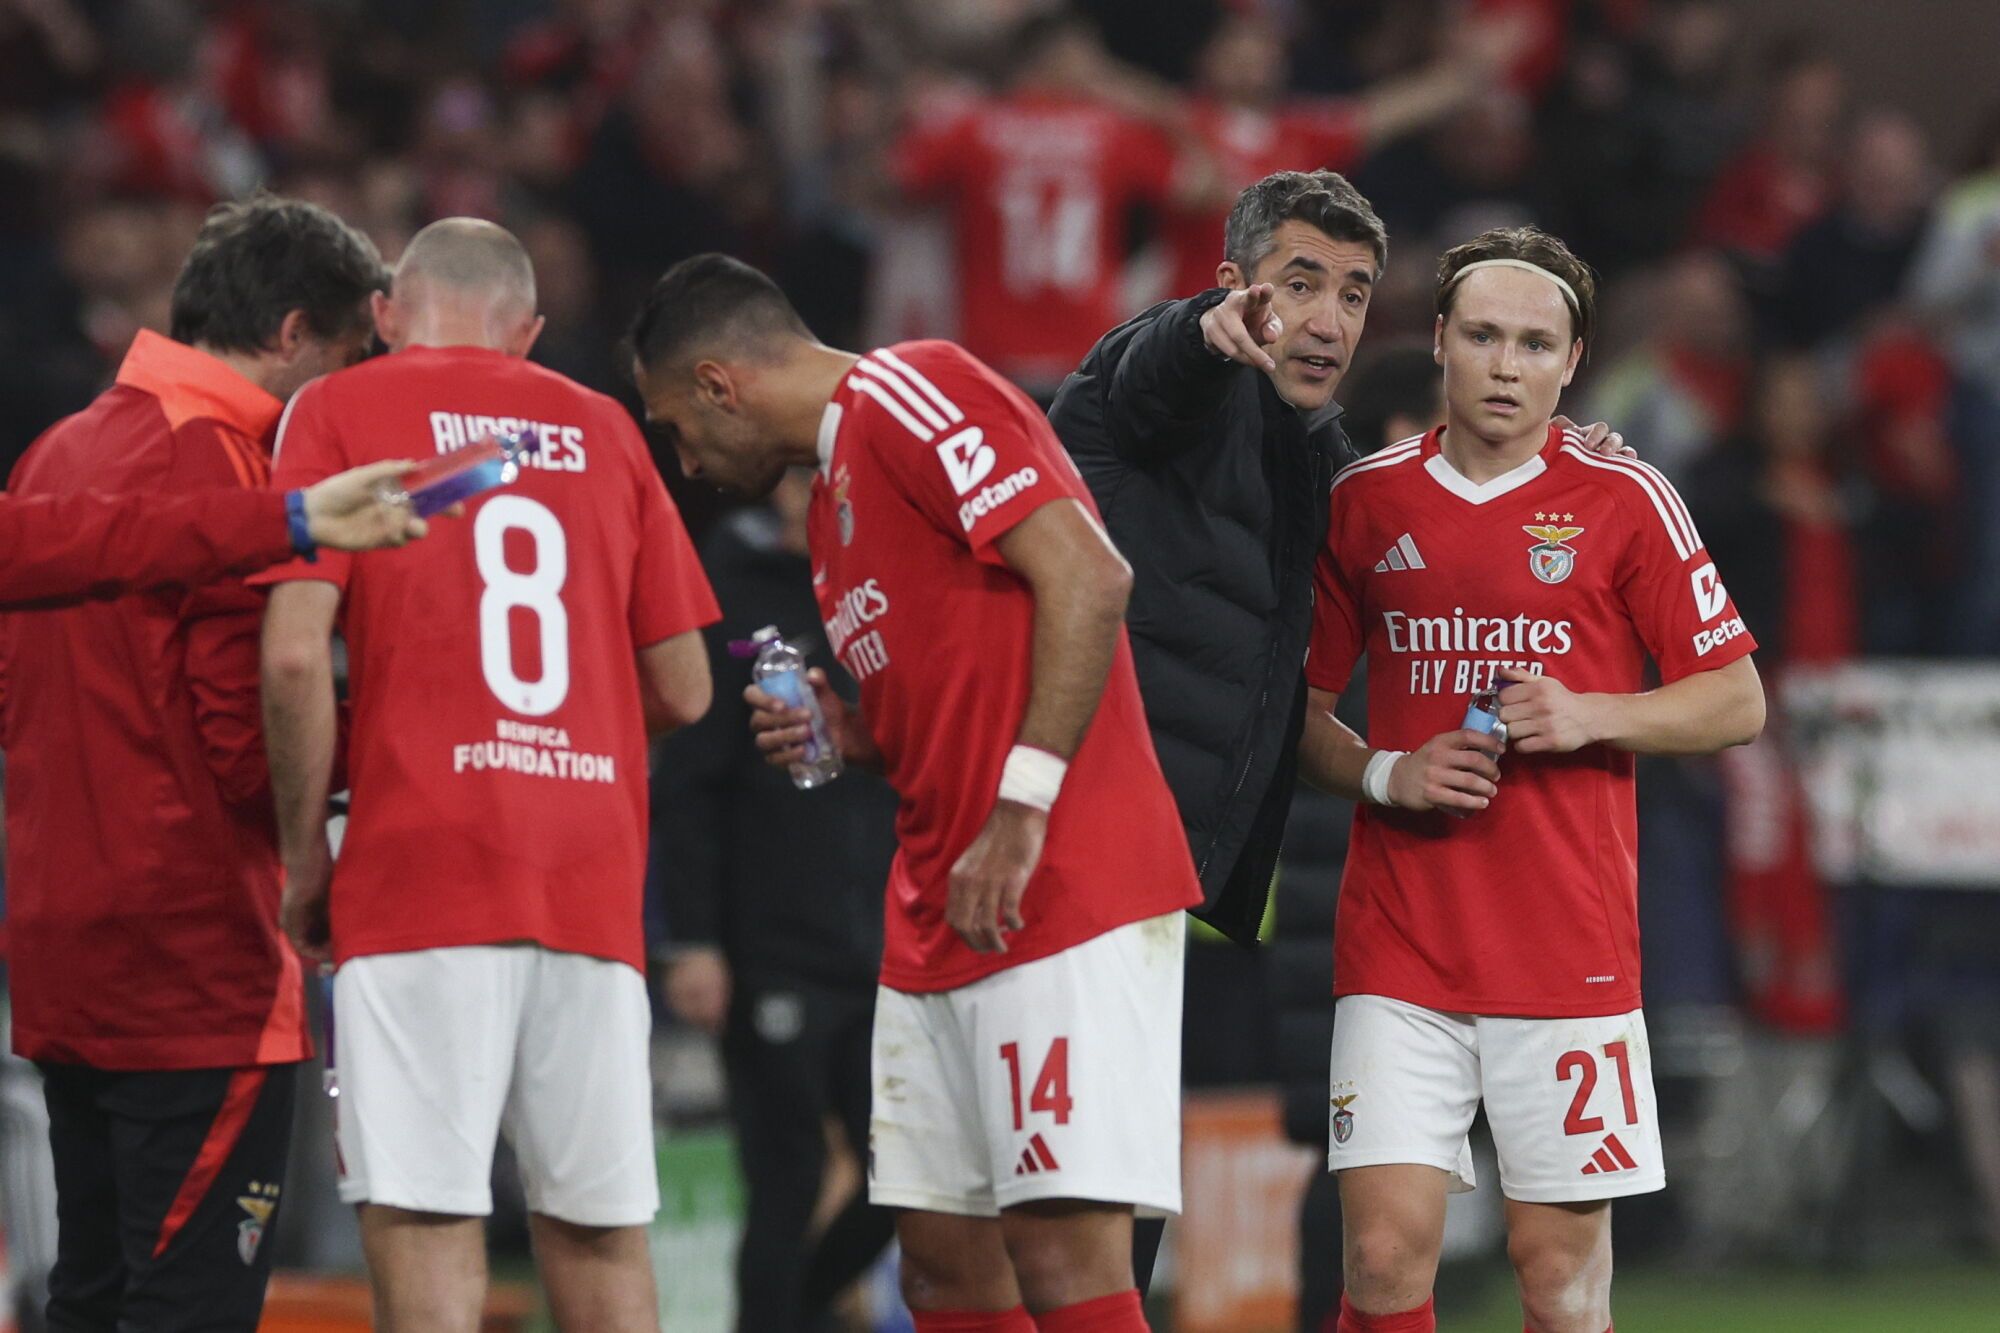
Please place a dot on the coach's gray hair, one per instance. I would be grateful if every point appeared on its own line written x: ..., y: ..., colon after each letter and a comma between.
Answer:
x: 1323, y: 199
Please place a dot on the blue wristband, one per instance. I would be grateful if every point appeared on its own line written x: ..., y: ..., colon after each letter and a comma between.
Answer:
x: 295, y: 519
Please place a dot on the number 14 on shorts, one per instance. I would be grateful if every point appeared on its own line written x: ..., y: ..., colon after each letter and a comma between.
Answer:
x: 1050, y: 1090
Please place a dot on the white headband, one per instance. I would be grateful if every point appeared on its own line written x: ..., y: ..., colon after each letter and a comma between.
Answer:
x: 1568, y: 292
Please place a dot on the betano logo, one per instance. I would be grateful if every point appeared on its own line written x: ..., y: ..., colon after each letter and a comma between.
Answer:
x: 999, y: 493
x: 967, y: 458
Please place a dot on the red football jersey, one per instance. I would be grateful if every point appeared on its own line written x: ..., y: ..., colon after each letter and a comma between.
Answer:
x: 1245, y: 146
x: 497, y: 756
x: 927, y: 459
x: 1573, y: 565
x: 1040, y: 190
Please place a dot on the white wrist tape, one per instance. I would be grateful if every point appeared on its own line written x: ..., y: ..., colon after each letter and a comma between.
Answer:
x: 1375, y: 777
x: 1032, y: 777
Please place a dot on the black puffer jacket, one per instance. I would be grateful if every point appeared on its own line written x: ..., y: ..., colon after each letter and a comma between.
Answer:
x: 1216, y: 490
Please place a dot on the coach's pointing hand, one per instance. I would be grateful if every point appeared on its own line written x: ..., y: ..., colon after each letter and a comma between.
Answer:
x: 987, y: 882
x: 1243, y: 325
x: 1455, y: 771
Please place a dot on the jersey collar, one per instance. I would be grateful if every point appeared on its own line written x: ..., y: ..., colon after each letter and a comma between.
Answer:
x: 829, y: 430
x: 192, y: 384
x: 1474, y: 492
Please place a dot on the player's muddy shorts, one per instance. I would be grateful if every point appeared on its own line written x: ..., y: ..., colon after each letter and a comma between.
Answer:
x: 1057, y: 1079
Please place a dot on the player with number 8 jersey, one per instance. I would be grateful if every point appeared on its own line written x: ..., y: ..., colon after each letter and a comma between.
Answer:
x: 484, y: 911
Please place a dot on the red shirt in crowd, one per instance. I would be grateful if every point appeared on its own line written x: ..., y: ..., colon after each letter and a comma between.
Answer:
x: 142, y: 876
x: 927, y: 459
x: 497, y: 753
x: 1243, y: 147
x: 1040, y: 189
x: 1572, y: 565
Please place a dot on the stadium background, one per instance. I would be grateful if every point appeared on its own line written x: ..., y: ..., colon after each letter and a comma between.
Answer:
x: 1796, y: 209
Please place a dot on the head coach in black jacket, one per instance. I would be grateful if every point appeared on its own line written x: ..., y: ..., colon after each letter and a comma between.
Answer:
x: 1207, y: 432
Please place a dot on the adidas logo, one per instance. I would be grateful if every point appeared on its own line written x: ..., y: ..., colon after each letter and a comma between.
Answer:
x: 1035, y: 1158
x: 1610, y: 1156
x: 1403, y: 555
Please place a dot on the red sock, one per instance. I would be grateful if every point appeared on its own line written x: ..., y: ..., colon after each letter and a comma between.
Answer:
x: 1423, y: 1319
x: 1119, y: 1312
x: 1015, y: 1320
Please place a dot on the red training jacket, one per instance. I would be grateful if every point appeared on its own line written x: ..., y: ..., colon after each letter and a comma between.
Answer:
x: 58, y: 549
x: 143, y: 873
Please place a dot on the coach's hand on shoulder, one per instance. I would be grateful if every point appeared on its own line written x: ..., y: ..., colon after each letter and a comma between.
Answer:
x: 1456, y: 771
x: 354, y: 511
x: 697, y: 988
x: 1242, y: 325
x: 781, y: 730
x: 1599, y: 438
x: 987, y: 881
x: 1544, y: 716
x: 302, y: 913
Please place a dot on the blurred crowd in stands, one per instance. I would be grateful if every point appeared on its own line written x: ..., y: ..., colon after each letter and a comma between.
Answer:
x: 1801, y: 309
x: 1803, y: 290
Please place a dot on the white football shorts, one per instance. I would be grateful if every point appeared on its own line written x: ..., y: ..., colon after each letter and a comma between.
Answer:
x: 1569, y: 1100
x: 1057, y: 1079
x: 440, y: 1051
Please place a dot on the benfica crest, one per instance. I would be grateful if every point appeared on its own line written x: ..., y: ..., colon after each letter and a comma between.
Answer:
x: 1550, y: 559
x: 1343, y: 1119
x: 260, y: 1203
x: 843, y: 509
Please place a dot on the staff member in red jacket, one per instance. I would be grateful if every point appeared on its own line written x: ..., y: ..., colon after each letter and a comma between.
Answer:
x: 150, y: 981
x: 58, y: 549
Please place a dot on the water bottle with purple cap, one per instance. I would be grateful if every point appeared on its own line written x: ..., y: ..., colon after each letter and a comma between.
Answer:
x: 780, y: 670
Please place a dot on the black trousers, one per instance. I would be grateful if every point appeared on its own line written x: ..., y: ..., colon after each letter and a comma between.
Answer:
x: 167, y: 1190
x: 796, y: 1053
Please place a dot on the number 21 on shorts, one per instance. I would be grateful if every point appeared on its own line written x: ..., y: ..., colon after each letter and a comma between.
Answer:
x: 1050, y: 1091
x: 1574, y: 1064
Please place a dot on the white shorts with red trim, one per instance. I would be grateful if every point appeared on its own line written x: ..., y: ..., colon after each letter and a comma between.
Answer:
x: 440, y: 1051
x: 1569, y: 1100
x: 1057, y: 1079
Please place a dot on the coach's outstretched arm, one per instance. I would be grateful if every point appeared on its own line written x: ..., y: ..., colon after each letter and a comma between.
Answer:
x: 1697, y: 714
x: 300, y: 735
x: 1081, y: 585
x: 1176, y: 370
x: 58, y: 549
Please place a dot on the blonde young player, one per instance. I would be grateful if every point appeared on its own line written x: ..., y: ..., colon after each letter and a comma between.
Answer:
x: 1027, y: 1028
x: 1487, y: 947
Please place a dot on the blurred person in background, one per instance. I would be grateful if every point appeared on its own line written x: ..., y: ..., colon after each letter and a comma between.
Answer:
x: 503, y: 684
x: 1681, y: 388
x: 774, y: 942
x: 1631, y: 137
x: 1040, y: 183
x: 151, y: 983
x: 1850, y: 264
x: 1247, y: 128
x: 1955, y: 289
x: 1783, y: 178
